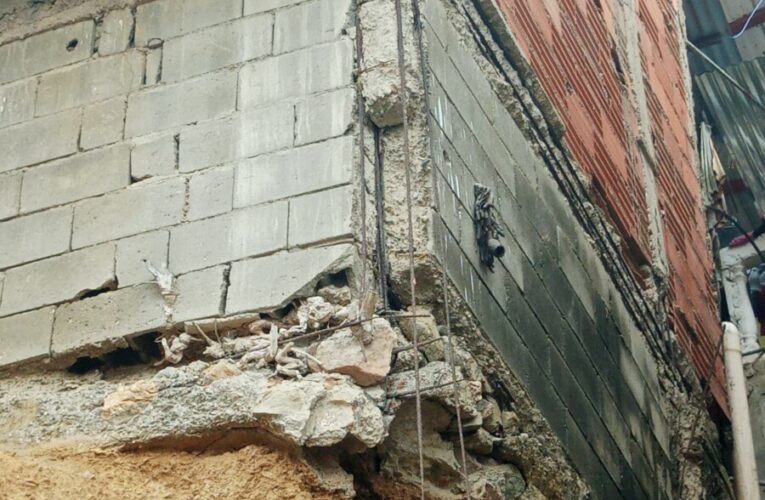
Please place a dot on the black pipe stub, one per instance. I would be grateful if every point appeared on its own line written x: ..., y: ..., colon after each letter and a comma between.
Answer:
x: 496, y: 248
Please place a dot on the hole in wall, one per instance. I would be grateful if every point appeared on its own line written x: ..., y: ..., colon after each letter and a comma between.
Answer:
x: 141, y: 350
x: 72, y: 44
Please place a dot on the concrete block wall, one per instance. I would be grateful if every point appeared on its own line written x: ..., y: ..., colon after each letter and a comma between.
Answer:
x: 211, y: 136
x: 550, y: 307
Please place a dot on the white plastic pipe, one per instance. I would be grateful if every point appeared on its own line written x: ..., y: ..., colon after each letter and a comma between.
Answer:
x: 739, y: 306
x: 744, y: 464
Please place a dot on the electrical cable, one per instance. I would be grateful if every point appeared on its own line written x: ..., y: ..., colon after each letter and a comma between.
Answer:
x: 748, y: 20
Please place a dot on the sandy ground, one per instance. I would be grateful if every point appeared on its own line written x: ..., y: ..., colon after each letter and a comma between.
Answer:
x: 253, y: 472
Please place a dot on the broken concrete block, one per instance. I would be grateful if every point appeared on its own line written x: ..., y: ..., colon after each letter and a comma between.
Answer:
x: 115, y: 31
x: 343, y: 352
x: 211, y: 193
x: 26, y: 336
x: 35, y: 236
x: 10, y: 193
x: 427, y: 329
x: 324, y: 115
x: 102, y: 123
x: 131, y: 253
x: 21, y: 144
x: 436, y: 377
x: 153, y: 157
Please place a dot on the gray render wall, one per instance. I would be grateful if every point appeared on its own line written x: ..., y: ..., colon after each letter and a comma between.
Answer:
x: 213, y: 137
x: 550, y: 308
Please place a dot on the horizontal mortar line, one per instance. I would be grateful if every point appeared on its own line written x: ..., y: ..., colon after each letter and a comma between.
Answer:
x: 294, y: 196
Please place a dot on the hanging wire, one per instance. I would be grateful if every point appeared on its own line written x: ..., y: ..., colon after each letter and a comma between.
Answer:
x: 410, y: 230
x: 748, y: 20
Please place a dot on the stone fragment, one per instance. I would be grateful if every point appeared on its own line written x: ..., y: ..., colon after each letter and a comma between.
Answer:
x: 129, y: 399
x: 497, y: 482
x: 492, y: 415
x: 479, y: 442
x: 344, y: 353
x: 427, y: 329
x: 468, y: 424
x: 220, y: 370
x: 340, y: 295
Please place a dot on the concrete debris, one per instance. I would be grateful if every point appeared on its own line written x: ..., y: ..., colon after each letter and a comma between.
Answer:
x: 129, y: 399
x: 220, y: 370
x: 172, y: 351
x: 497, y: 482
x: 344, y: 353
x: 492, y: 415
x: 427, y: 329
x: 480, y: 442
x: 315, y: 313
x: 340, y: 295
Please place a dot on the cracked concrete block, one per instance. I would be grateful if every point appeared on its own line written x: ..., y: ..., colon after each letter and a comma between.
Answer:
x: 325, y: 115
x: 314, y: 69
x: 216, y: 47
x: 295, y: 171
x: 21, y: 144
x: 132, y: 251
x: 152, y: 157
x: 244, y: 135
x: 58, y: 279
x: 103, y: 123
x: 45, y: 51
x: 98, y: 324
x: 35, y: 236
x: 17, y: 102
x: 137, y: 209
x: 61, y: 182
x: 10, y: 193
x: 309, y: 23
x: 89, y: 82
x: 26, y: 336
x: 288, y: 275
x: 203, y: 98
x: 115, y: 31
x: 166, y: 19
x: 236, y: 235
x: 211, y: 193
x: 321, y: 216
x: 200, y: 294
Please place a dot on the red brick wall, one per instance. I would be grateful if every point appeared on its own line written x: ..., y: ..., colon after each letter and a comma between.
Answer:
x: 572, y: 46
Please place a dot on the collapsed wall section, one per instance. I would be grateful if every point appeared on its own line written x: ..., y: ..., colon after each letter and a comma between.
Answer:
x: 211, y: 140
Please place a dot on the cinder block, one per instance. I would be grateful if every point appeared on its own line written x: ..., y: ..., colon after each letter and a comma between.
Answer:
x: 103, y: 123
x: 168, y: 106
x: 58, y: 279
x: 211, y: 193
x: 200, y: 294
x: 137, y: 209
x: 241, y: 136
x: 216, y: 47
x: 25, y: 337
x: 310, y: 23
x: 21, y: 144
x: 295, y: 171
x: 153, y: 157
x: 35, y: 236
x: 324, y: 115
x: 255, y: 6
x: 165, y: 19
x: 77, y: 177
x: 131, y: 252
x: 115, y: 31
x: 233, y: 236
x: 17, y: 102
x: 10, y: 193
x: 321, y: 216
x: 306, y: 71
x: 288, y: 275
x: 97, y: 324
x: 45, y: 51
x: 89, y: 82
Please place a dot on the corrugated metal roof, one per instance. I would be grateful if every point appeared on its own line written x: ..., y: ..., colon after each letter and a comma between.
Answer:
x: 707, y: 27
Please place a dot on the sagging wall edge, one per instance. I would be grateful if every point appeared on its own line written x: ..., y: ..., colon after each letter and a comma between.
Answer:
x: 579, y: 335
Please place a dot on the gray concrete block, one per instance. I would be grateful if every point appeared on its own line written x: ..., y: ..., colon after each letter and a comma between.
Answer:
x: 203, y: 98
x: 98, y: 324
x: 321, y: 216
x: 200, y: 294
x: 103, y: 123
x: 288, y: 275
x: 17, y: 102
x: 10, y: 194
x: 131, y: 253
x: 233, y: 236
x: 134, y: 210
x: 256, y: 6
x: 58, y: 279
x: 21, y: 144
x: 35, y: 236
x: 244, y: 135
x: 299, y: 73
x: 71, y: 179
x: 295, y: 171
x: 211, y: 193
x: 216, y: 47
x: 309, y: 23
x: 153, y: 157
x: 47, y: 50
x: 115, y: 31
x: 25, y: 337
x: 325, y: 115
x: 91, y: 81
x: 166, y: 19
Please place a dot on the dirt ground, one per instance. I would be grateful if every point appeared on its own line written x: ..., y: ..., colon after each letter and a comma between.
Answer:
x: 253, y: 472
